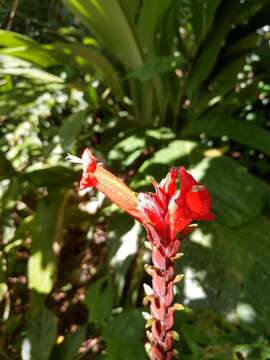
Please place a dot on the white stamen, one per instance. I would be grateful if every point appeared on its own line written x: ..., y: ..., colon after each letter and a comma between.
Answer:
x: 74, y: 159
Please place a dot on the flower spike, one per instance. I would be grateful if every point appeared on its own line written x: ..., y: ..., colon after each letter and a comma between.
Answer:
x: 167, y: 215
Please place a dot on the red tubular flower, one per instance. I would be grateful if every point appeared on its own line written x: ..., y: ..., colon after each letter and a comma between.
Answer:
x: 114, y: 188
x: 165, y: 214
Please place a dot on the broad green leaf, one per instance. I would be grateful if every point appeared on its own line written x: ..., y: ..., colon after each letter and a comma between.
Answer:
x: 257, y: 291
x: 23, y: 47
x: 12, y: 39
x: 176, y: 153
x: 51, y: 176
x: 78, y: 55
x: 88, y: 59
x: 41, y: 331
x: 222, y: 260
x: 127, y: 150
x: 232, y: 190
x: 123, y: 245
x: 69, y: 348
x: 34, y: 54
x: 71, y: 128
x: 110, y: 24
x: 47, y: 230
x: 203, y: 335
x: 10, y: 65
x: 235, y: 129
x: 99, y: 299
x: 124, y: 336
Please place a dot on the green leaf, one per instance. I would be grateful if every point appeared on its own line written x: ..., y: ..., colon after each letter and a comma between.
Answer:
x: 110, y: 24
x: 257, y: 291
x: 238, y: 130
x: 6, y: 168
x: 120, y: 253
x: 151, y: 13
x: 176, y: 153
x: 203, y: 13
x: 10, y: 65
x: 47, y: 230
x: 156, y: 66
x: 212, y: 45
x: 127, y: 150
x: 124, y: 336
x: 216, y: 89
x: 243, y: 46
x: 12, y: 39
x: 23, y: 47
x: 232, y: 189
x: 69, y: 348
x: 229, y: 13
x: 34, y: 54
x: 100, y: 299
x: 222, y: 260
x: 41, y: 331
x: 78, y: 55
x: 87, y: 59
x: 71, y: 128
x: 28, y: 93
x: 131, y: 8
x: 53, y: 176
x: 175, y: 150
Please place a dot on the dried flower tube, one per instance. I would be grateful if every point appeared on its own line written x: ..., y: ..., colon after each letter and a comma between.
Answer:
x: 166, y: 215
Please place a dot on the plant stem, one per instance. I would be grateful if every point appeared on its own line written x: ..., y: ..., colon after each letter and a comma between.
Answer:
x: 12, y: 14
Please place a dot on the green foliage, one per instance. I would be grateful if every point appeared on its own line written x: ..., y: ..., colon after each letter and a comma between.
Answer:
x: 41, y: 333
x: 69, y: 348
x: 148, y: 85
x: 47, y: 229
x: 240, y: 131
x: 100, y: 299
x: 119, y: 336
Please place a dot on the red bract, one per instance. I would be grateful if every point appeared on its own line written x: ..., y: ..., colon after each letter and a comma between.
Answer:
x: 165, y: 214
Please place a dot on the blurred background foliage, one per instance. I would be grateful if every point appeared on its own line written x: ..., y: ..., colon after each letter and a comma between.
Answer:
x: 148, y: 84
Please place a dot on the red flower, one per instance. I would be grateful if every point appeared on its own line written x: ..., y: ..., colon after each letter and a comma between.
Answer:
x: 178, y: 209
x: 164, y: 214
x: 114, y: 188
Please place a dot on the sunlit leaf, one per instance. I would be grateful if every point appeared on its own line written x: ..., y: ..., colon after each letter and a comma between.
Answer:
x: 241, y: 131
x: 221, y: 260
x: 47, y: 230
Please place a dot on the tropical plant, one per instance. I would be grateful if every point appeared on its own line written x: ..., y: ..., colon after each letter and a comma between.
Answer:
x: 150, y: 85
